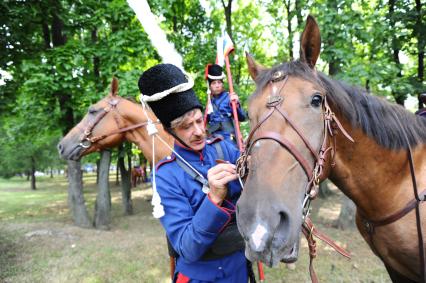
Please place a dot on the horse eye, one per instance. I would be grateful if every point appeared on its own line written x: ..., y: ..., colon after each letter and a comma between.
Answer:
x: 316, y: 100
x: 92, y: 110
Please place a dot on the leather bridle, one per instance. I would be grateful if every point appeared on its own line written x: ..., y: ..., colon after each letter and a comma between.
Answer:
x: 315, y: 172
x: 86, y: 140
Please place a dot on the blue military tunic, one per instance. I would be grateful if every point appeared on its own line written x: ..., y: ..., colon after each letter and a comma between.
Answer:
x: 220, y: 121
x: 192, y: 221
x: 421, y: 112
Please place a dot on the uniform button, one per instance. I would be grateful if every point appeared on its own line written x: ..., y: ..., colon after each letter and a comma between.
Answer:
x: 220, y: 267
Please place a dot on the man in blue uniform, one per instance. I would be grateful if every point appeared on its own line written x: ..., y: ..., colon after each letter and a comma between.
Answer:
x: 198, y: 192
x: 220, y: 118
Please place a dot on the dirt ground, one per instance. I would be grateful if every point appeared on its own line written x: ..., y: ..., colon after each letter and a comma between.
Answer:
x: 39, y: 243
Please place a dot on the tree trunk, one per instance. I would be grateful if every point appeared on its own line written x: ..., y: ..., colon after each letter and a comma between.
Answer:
x: 334, y: 64
x: 299, y: 4
x: 33, y: 170
x: 96, y: 62
x: 98, y: 162
x: 126, y: 187
x: 287, y: 5
x: 228, y: 17
x: 143, y: 162
x: 76, y: 200
x: 324, y: 189
x: 347, y: 214
x: 117, y: 178
x: 420, y: 31
x: 399, y: 97
x: 102, y: 217
x: 75, y: 183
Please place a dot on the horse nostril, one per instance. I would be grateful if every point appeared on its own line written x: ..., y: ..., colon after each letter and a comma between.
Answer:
x: 60, y: 148
x: 284, y: 221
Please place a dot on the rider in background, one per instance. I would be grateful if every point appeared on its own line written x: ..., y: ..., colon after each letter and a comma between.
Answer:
x: 422, y: 109
x: 219, y: 111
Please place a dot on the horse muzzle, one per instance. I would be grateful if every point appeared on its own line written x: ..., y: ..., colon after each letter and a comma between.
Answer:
x: 70, y: 152
x: 269, y: 238
x: 272, y: 254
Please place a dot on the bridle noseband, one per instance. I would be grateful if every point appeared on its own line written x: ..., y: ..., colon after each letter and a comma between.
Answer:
x: 314, y: 173
x: 86, y: 140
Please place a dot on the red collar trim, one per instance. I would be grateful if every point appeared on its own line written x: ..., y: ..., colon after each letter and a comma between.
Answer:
x: 166, y: 160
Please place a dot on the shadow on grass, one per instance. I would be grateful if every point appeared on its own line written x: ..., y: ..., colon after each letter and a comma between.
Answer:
x: 9, y: 251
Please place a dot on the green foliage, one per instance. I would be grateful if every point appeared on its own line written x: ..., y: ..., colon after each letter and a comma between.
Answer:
x: 104, y: 39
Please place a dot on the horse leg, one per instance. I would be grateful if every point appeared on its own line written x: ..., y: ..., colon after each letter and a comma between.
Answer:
x: 133, y: 181
x: 396, y: 277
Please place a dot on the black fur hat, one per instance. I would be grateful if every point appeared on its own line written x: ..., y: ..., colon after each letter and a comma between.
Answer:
x: 214, y: 73
x: 163, y: 78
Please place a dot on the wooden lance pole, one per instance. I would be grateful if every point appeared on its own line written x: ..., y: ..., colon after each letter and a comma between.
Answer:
x: 239, y: 140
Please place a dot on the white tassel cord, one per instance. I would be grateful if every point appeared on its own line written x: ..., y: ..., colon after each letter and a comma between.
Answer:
x: 158, y: 208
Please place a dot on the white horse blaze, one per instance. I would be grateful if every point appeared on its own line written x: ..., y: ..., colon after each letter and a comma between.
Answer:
x: 258, y: 234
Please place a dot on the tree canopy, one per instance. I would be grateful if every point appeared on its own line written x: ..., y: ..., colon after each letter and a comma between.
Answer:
x: 60, y: 55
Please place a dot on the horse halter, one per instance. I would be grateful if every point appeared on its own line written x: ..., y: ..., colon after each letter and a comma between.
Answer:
x: 315, y: 173
x: 86, y: 141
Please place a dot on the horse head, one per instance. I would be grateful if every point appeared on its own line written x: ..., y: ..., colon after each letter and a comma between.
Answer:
x: 287, y: 117
x: 108, y: 123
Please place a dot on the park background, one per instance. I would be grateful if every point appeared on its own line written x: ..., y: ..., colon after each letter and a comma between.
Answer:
x: 58, y: 57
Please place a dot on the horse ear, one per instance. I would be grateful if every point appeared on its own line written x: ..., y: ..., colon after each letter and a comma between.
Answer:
x: 310, y: 42
x: 114, y: 86
x: 253, y: 67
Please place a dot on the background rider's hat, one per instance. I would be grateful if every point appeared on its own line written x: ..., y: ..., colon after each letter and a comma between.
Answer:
x: 422, y: 98
x: 214, y: 72
x: 168, y: 91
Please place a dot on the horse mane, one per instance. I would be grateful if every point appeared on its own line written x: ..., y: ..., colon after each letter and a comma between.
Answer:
x: 387, y: 123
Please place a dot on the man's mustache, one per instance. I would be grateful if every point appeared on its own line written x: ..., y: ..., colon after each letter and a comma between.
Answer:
x: 199, y: 137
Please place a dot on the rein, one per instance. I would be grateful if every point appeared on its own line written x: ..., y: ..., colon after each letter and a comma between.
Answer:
x: 314, y: 174
x: 86, y: 141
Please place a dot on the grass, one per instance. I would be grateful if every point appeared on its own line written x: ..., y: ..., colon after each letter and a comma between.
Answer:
x: 39, y: 243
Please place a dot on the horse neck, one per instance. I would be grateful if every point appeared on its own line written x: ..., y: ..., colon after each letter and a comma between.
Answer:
x: 375, y: 178
x: 134, y: 114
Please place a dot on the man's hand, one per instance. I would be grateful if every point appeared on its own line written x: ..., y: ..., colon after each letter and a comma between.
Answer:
x: 233, y: 97
x: 218, y: 176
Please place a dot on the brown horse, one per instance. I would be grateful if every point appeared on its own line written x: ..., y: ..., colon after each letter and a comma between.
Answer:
x: 109, y: 122
x: 302, y: 123
x: 137, y: 175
